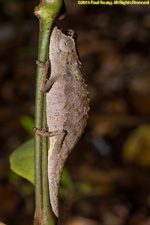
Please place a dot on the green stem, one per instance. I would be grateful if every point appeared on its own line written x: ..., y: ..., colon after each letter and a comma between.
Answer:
x: 47, y: 12
x: 43, y: 214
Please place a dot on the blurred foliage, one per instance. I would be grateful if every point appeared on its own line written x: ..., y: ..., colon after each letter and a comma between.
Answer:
x: 26, y: 52
x: 22, y: 160
x: 27, y: 123
x: 136, y: 149
x: 24, y: 188
x: 2, y: 223
x: 8, y: 1
x: 66, y: 179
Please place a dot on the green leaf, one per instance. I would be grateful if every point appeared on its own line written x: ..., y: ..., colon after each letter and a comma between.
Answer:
x: 22, y: 160
x: 27, y: 123
x: 84, y: 188
x: 66, y: 179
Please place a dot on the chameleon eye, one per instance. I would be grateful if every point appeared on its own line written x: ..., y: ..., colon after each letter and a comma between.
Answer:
x: 66, y: 45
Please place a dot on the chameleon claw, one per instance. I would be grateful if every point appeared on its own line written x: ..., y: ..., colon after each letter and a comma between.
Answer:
x: 43, y: 65
x: 42, y: 133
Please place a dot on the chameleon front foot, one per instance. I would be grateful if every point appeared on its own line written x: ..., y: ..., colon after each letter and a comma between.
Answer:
x: 46, y: 81
x: 43, y: 65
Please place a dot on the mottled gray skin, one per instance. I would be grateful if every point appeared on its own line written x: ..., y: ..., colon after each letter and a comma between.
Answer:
x: 66, y: 106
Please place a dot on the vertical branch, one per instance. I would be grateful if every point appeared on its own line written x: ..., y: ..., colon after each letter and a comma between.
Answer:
x: 46, y: 12
x: 41, y: 143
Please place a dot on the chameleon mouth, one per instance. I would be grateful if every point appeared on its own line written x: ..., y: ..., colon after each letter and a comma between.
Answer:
x: 71, y: 33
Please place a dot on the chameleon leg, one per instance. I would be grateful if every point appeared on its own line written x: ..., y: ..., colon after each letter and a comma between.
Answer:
x: 56, y: 148
x: 45, y: 133
x: 46, y: 82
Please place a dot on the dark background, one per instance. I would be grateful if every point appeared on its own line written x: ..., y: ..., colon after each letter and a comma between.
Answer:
x: 113, y: 155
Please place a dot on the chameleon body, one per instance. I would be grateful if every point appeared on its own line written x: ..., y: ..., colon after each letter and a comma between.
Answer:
x: 67, y: 105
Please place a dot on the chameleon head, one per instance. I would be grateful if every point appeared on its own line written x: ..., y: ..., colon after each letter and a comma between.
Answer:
x: 63, y: 53
x: 62, y: 42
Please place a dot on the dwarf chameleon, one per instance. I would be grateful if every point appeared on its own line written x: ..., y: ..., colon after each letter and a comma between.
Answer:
x: 67, y: 105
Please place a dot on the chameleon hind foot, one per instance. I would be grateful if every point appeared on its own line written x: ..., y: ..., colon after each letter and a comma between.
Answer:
x: 45, y: 133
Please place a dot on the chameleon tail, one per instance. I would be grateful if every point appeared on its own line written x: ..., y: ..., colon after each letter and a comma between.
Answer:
x: 56, y: 161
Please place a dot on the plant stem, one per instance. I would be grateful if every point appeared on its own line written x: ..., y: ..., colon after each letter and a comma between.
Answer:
x: 46, y: 11
x: 42, y: 212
